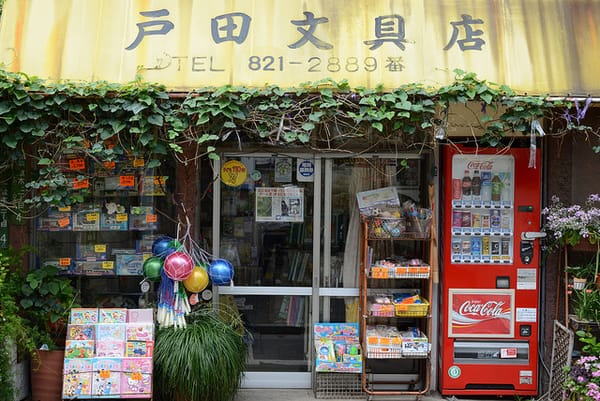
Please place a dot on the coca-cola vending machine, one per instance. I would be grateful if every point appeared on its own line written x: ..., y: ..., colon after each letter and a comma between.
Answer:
x: 490, y: 272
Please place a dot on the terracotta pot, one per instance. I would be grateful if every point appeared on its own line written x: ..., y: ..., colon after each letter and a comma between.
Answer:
x: 47, y: 375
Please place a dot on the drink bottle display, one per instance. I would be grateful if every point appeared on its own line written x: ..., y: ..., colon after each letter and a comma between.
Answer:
x: 496, y: 188
x: 476, y: 185
x: 466, y: 186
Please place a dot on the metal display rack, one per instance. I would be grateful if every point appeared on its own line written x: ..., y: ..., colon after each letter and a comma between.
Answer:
x: 395, y: 366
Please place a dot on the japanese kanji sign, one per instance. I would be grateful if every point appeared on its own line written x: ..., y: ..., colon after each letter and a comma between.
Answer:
x: 202, y: 43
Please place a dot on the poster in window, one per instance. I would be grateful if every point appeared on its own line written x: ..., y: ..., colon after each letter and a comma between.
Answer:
x: 280, y: 204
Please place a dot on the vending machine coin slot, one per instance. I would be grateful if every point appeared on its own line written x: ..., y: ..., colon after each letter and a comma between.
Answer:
x: 526, y: 251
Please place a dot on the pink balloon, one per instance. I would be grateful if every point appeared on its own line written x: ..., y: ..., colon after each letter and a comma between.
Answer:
x: 178, y: 266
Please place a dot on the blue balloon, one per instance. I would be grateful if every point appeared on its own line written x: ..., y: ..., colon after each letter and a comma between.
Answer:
x: 220, y: 272
x: 161, y: 246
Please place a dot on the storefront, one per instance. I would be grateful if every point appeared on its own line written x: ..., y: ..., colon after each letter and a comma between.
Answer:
x: 280, y: 200
x: 292, y: 230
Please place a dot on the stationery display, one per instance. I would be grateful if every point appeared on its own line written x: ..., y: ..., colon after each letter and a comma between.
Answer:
x: 108, y: 353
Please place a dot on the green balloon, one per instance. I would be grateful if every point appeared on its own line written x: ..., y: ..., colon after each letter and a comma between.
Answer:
x: 152, y: 267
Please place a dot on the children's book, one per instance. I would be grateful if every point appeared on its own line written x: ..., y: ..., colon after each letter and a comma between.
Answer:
x: 140, y: 315
x: 81, y: 332
x: 136, y: 377
x: 83, y: 315
x: 110, y: 349
x: 77, y: 378
x: 110, y: 332
x: 140, y: 331
x: 139, y: 348
x: 112, y: 315
x: 79, y: 348
x: 106, y: 378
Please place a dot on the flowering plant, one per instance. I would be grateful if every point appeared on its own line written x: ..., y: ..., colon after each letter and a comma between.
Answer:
x: 583, y: 380
x: 568, y: 225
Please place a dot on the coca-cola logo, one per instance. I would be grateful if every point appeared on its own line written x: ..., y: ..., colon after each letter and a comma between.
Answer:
x: 480, y: 165
x: 487, y: 309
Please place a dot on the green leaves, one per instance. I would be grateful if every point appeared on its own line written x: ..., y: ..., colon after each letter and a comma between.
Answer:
x: 112, y: 120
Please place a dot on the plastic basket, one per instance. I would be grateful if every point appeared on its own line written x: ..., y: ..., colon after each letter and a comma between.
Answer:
x: 386, y: 227
x: 412, y: 310
x: 382, y: 310
x: 384, y: 351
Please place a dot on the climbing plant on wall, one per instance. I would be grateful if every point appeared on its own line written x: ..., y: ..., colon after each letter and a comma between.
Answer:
x: 40, y: 121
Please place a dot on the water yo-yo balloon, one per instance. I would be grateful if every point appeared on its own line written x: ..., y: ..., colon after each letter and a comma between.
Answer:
x: 197, y: 281
x: 178, y: 266
x: 220, y: 272
x: 161, y: 245
x: 152, y: 267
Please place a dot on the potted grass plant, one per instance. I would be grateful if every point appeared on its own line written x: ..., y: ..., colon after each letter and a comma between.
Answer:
x: 203, y: 361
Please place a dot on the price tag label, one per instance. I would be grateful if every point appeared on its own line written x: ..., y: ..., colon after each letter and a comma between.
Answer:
x: 105, y: 374
x: 64, y: 262
x: 77, y: 164
x: 126, y: 181
x: 64, y: 222
x: 151, y: 218
x: 100, y: 248
x: 92, y: 216
x: 136, y: 376
x: 380, y: 272
x: 138, y: 163
x: 64, y: 209
x: 109, y: 165
x: 121, y: 217
x: 108, y: 265
x: 159, y: 180
x: 81, y: 184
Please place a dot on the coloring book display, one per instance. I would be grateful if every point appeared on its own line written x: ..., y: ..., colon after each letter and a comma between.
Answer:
x: 108, y: 353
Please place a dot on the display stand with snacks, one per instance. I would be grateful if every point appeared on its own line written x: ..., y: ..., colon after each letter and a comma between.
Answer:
x: 395, y: 293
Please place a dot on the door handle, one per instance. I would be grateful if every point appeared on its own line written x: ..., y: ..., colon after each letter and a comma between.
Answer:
x: 532, y: 235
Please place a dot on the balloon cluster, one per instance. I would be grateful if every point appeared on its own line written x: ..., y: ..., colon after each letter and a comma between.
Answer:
x: 171, y: 264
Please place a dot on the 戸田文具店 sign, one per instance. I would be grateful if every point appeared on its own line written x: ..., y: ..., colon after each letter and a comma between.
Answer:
x: 209, y: 43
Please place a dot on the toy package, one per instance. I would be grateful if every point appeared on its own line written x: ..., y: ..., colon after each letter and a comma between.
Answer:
x: 337, y: 347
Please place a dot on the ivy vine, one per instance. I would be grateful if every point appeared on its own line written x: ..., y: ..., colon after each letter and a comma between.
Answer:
x: 41, y: 121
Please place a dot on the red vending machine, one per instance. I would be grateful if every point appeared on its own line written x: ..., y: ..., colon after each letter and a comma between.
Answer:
x: 490, y: 274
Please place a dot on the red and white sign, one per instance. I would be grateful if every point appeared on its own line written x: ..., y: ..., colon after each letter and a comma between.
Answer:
x: 481, y: 313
